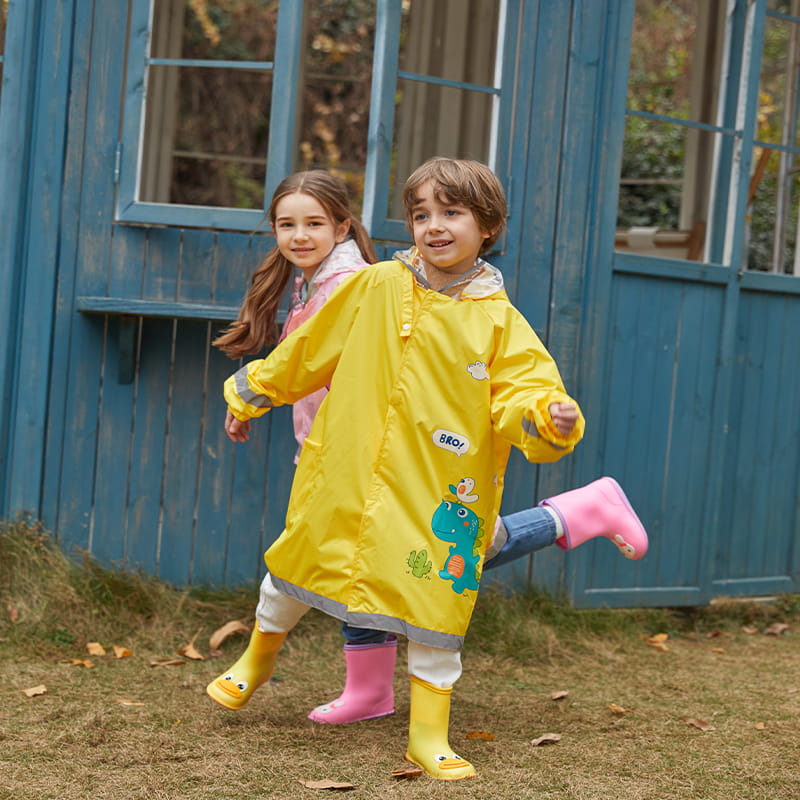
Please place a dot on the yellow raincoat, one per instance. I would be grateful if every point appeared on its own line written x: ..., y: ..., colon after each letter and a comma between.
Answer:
x: 400, y: 479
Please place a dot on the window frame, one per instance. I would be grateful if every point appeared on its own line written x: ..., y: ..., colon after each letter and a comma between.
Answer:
x: 279, y: 155
x: 386, y: 71
x: 279, y: 159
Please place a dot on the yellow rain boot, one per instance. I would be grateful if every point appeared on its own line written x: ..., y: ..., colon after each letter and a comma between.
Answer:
x: 427, y: 734
x: 234, y: 688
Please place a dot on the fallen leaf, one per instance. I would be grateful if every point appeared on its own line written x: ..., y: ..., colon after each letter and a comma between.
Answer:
x: 95, y: 649
x: 125, y: 702
x: 13, y: 612
x: 776, y: 629
x: 657, y: 641
x: 326, y: 785
x: 546, y: 738
x: 749, y: 629
x: 619, y: 709
x: 167, y: 662
x: 122, y: 652
x: 190, y: 651
x: 228, y: 629
x: 35, y: 691
x: 481, y: 735
x: 560, y: 695
x: 406, y: 772
x: 699, y: 723
x: 760, y: 726
x: 713, y: 634
x: 77, y: 662
x: 720, y: 650
x: 793, y: 691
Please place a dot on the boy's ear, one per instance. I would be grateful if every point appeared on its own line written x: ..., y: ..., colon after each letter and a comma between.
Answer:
x: 342, y: 229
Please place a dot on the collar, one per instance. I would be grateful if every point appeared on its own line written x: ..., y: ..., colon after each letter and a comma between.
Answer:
x: 480, y: 281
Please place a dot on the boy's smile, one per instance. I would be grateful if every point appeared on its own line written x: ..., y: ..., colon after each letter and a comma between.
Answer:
x: 446, y: 234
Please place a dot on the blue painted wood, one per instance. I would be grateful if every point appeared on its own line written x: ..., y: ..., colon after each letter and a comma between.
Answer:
x: 39, y: 248
x: 16, y: 114
x: 141, y: 522
x: 155, y: 308
x: 78, y: 401
x: 548, y: 28
x: 671, y: 361
x: 764, y: 457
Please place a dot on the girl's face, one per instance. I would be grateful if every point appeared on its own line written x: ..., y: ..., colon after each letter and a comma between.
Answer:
x: 447, y: 235
x: 304, y: 232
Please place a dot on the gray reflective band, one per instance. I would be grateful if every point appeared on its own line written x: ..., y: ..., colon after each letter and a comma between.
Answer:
x: 529, y: 426
x: 247, y: 394
x: 380, y: 622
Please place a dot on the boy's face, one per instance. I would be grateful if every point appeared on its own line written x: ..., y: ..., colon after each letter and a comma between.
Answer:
x: 447, y: 235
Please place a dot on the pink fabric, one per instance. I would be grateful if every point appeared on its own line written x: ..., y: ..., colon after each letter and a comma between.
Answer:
x: 343, y: 261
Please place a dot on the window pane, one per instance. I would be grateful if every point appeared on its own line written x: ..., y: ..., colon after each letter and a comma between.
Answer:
x: 206, y: 129
x: 455, y: 40
x: 337, y: 75
x: 665, y: 185
x: 773, y: 186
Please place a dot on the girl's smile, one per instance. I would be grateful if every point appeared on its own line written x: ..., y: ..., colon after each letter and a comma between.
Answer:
x: 304, y: 232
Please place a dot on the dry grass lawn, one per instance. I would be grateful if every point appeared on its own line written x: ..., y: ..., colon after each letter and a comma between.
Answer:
x: 622, y: 716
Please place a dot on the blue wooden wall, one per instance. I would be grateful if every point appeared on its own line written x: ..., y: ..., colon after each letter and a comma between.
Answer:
x: 685, y: 373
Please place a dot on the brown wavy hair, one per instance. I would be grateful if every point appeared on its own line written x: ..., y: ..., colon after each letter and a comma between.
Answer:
x: 257, y: 323
x: 465, y: 183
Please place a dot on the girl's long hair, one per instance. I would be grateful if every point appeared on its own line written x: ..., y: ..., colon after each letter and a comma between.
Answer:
x: 257, y: 326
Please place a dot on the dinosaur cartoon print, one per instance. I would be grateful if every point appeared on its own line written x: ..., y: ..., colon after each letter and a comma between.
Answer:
x: 454, y: 522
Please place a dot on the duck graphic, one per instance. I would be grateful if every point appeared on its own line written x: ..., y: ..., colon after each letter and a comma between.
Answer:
x: 463, y: 491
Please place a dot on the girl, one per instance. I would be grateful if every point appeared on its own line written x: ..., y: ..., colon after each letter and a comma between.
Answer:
x: 315, y: 231
x: 456, y: 376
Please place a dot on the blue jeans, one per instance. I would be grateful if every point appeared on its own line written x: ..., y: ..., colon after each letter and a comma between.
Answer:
x: 520, y: 534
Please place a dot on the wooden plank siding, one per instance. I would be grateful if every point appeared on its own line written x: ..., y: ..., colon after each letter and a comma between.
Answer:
x: 112, y: 411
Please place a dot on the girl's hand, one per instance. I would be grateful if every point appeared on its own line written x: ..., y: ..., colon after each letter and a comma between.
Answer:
x: 564, y: 416
x: 237, y: 430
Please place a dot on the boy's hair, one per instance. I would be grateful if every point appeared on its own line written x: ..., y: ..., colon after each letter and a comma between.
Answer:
x: 257, y: 325
x: 465, y: 183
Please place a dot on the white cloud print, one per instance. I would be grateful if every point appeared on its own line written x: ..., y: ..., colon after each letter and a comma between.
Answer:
x: 478, y: 371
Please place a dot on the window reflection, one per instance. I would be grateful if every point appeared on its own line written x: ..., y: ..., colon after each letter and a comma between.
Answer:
x: 456, y: 41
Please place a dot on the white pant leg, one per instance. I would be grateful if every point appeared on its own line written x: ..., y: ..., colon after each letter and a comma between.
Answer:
x: 277, y: 613
x: 440, y: 668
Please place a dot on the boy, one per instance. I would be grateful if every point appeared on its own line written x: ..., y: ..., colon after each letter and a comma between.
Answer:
x: 433, y: 375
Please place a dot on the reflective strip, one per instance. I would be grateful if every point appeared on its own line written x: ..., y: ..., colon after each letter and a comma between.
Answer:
x: 529, y: 426
x: 378, y: 622
x: 246, y: 394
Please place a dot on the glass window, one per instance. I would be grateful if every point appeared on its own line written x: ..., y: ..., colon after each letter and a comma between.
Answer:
x: 774, y: 187
x: 207, y: 127
x: 690, y: 121
x: 443, y: 41
x: 674, y: 104
x: 224, y: 99
x: 447, y: 62
x: 207, y: 112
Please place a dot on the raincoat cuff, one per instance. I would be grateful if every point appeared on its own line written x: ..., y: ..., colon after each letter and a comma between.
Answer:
x: 546, y: 428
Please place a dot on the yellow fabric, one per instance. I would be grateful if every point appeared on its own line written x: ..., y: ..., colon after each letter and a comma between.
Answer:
x: 426, y: 392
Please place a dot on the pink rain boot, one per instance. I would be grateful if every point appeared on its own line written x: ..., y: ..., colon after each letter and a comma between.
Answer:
x: 599, y: 509
x: 369, y: 687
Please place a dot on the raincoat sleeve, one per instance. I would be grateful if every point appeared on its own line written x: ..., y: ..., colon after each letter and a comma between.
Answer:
x: 302, y: 363
x: 525, y: 382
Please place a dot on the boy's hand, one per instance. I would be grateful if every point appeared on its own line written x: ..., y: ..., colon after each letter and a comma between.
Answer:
x: 564, y: 416
x: 239, y: 431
